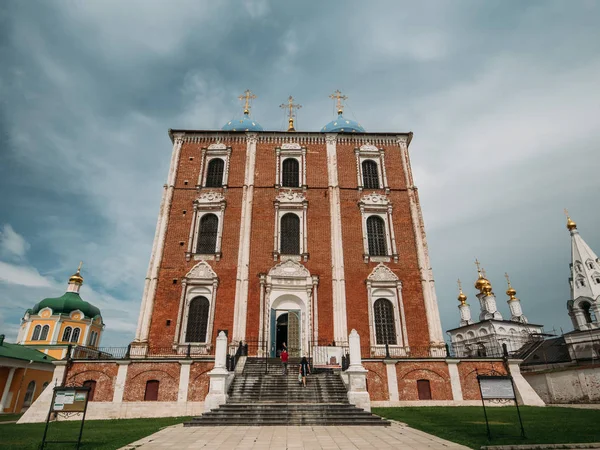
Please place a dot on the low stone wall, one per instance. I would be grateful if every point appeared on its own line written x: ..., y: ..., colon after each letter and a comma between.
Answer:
x: 574, y: 384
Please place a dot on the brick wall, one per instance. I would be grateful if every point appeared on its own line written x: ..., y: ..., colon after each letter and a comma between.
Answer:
x: 167, y: 373
x: 199, y: 381
x: 377, y: 382
x: 103, y: 374
x: 435, y: 371
x: 468, y: 376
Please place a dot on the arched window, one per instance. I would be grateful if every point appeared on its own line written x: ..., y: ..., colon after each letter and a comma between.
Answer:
x: 424, y: 389
x: 197, y: 320
x: 45, y: 385
x: 214, y: 173
x: 151, y: 394
x: 93, y: 339
x: 67, y: 334
x: 44, y: 334
x: 370, y: 175
x: 36, y: 333
x: 385, y: 328
x: 207, y: 239
x: 92, y: 385
x: 290, y: 173
x: 290, y: 234
x: 75, y: 335
x: 29, y: 394
x: 376, y: 236
x: 588, y: 312
x: 481, y: 351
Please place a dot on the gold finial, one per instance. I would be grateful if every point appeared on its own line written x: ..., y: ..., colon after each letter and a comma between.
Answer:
x: 511, y: 292
x: 462, y: 298
x: 482, y: 283
x: 571, y: 225
x: 80, y: 266
x: 76, y: 277
x: 247, y: 96
x: 337, y: 95
x: 478, y: 264
x: 290, y: 106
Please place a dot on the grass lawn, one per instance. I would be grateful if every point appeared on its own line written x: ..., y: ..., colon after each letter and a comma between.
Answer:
x: 9, y: 417
x: 97, y: 434
x: 466, y: 425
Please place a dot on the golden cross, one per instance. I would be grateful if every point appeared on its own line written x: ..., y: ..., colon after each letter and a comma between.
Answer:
x: 247, y: 96
x: 80, y: 265
x: 290, y: 106
x: 337, y: 95
x: 459, y: 285
x: 477, y: 263
x: 566, y: 212
x: 507, y: 279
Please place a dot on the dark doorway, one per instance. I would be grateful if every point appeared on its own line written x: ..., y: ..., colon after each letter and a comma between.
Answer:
x: 281, y: 333
x: 151, y: 393
x: 92, y: 385
x: 424, y: 389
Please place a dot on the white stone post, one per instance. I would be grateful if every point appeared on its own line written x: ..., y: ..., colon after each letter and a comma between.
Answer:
x: 357, y: 375
x: 523, y: 391
x: 392, y: 379
x: 11, y: 373
x: 217, y: 392
x: 120, y: 381
x: 184, y: 379
x: 457, y: 394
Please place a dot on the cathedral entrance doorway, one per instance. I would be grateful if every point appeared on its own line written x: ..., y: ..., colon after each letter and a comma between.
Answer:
x: 287, y: 330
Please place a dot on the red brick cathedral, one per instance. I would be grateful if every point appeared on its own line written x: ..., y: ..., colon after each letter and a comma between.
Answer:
x: 295, y: 237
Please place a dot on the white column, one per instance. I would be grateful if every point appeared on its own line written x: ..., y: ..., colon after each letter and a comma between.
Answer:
x: 147, y: 306
x: 11, y: 373
x: 403, y: 316
x: 315, y: 298
x: 431, y: 307
x: 184, y: 380
x: 217, y: 392
x: 241, y: 283
x: 357, y: 375
x: 55, y: 331
x: 455, y: 379
x: 120, y: 381
x: 340, y: 321
x: 392, y: 379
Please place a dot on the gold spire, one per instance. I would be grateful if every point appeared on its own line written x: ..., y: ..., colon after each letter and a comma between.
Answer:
x: 511, y: 292
x: 76, y: 278
x: 337, y: 95
x: 462, y: 298
x: 571, y: 225
x: 290, y: 107
x: 247, y: 96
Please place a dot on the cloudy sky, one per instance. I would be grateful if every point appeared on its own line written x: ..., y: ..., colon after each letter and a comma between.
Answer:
x: 503, y: 98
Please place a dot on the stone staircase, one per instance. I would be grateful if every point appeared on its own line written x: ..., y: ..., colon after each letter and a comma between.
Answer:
x: 272, y: 398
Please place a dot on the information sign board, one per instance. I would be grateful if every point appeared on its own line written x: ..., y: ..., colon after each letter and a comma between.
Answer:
x: 496, y: 387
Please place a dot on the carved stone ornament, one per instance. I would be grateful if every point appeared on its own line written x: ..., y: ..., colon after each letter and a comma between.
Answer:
x: 210, y: 197
x: 368, y: 148
x: 217, y: 146
x: 289, y: 269
x: 402, y: 139
x: 291, y: 146
x: 382, y: 273
x: 374, y: 199
x: 290, y: 197
x: 201, y: 271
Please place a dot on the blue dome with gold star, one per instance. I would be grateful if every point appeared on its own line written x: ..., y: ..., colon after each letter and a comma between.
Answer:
x: 246, y: 123
x: 343, y: 125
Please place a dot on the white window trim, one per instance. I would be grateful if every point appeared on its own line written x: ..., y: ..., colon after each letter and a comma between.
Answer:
x: 290, y: 151
x: 207, y: 203
x: 294, y: 202
x: 377, y: 155
x: 201, y: 280
x: 383, y: 278
x: 214, y: 151
x: 378, y: 205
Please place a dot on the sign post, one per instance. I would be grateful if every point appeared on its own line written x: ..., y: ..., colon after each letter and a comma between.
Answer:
x: 67, y: 401
x: 498, y: 387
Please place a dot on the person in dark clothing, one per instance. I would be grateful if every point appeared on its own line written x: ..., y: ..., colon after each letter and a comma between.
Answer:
x: 304, y: 370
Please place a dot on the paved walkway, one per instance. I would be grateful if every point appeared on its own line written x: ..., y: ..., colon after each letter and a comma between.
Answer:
x: 293, y: 438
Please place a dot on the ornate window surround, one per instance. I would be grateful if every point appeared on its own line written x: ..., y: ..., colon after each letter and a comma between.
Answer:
x: 220, y: 151
x: 375, y: 204
x: 201, y: 280
x: 377, y: 155
x: 290, y: 150
x: 207, y: 203
x: 290, y: 201
x: 383, y: 283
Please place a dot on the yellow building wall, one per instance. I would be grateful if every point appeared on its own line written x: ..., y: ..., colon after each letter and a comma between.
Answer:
x: 41, y: 322
x: 20, y: 381
x: 56, y: 353
x: 73, y: 324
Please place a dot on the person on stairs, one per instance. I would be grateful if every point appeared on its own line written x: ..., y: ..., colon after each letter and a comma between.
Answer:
x: 304, y: 370
x: 284, y: 359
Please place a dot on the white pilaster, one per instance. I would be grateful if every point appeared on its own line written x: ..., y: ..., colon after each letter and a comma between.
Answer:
x: 465, y: 314
x: 241, y: 283
x: 120, y: 381
x: 525, y: 394
x: 147, y: 306
x: 392, y: 379
x: 9, y: 379
x: 457, y: 394
x: 431, y: 307
x: 217, y: 392
x: 340, y: 322
x: 184, y: 379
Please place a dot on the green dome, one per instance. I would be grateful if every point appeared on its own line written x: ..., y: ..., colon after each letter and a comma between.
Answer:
x: 65, y: 304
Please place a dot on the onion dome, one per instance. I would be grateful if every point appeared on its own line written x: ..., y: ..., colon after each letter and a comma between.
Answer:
x: 343, y: 125
x: 511, y: 292
x: 66, y: 304
x: 245, y: 123
x: 76, y: 278
x: 462, y: 298
x: 481, y: 282
x: 571, y: 225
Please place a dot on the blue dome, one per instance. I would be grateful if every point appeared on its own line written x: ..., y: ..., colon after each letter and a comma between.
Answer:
x: 343, y: 125
x: 243, y: 124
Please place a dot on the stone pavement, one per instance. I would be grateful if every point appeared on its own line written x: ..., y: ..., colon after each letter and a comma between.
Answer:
x: 292, y: 437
